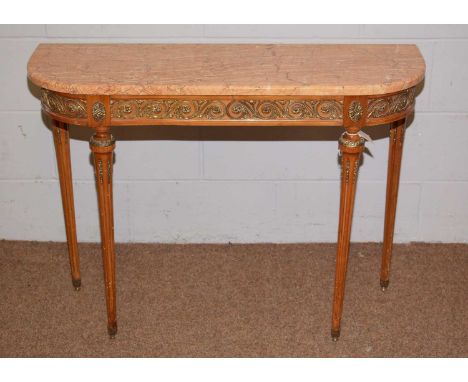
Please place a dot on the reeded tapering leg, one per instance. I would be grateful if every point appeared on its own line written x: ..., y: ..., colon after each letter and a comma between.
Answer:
x: 62, y: 150
x: 397, y: 132
x: 102, y: 146
x: 351, y: 147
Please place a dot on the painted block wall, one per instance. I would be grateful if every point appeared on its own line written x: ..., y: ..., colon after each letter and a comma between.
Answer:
x: 214, y: 185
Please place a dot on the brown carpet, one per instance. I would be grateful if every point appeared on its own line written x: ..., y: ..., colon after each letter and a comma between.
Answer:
x: 233, y: 301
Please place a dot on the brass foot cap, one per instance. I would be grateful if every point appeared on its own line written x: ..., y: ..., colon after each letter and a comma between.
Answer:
x: 76, y: 284
x: 335, y: 335
x: 112, y: 330
x: 384, y: 285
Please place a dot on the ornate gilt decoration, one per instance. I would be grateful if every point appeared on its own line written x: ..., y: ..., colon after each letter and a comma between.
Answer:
x: 99, y: 171
x: 397, y: 136
x: 385, y: 106
x: 355, y: 111
x: 355, y: 170
x: 57, y: 133
x: 402, y: 136
x: 258, y: 109
x: 239, y: 109
x: 393, y: 134
x: 99, y: 111
x: 101, y: 142
x: 347, y: 171
x: 109, y: 170
x: 349, y: 143
x: 68, y: 107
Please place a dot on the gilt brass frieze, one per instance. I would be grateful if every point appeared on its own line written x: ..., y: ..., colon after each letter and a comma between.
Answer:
x: 394, y: 104
x: 65, y: 106
x: 214, y: 109
x: 238, y: 109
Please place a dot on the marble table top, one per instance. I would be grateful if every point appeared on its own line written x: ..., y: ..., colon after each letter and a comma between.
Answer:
x: 226, y: 69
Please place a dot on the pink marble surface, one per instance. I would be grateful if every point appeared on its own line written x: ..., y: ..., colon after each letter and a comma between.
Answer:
x: 228, y: 69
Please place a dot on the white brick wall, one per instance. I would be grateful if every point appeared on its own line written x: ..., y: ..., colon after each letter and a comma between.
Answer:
x: 239, y: 185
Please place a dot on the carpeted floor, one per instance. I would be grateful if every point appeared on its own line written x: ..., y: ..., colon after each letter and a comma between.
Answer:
x: 233, y: 301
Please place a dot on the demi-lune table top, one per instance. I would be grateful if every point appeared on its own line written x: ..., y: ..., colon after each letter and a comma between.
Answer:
x: 226, y: 69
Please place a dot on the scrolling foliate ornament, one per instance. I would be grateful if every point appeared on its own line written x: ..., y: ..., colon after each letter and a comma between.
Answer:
x: 165, y: 109
x: 219, y: 109
x: 285, y: 109
x: 394, y: 104
x: 64, y: 106
x: 329, y: 109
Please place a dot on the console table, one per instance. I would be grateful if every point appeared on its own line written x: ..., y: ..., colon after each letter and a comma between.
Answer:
x: 105, y: 85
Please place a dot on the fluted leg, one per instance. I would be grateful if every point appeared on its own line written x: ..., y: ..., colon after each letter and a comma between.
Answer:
x: 351, y: 147
x: 62, y: 150
x: 102, y: 146
x: 397, y: 132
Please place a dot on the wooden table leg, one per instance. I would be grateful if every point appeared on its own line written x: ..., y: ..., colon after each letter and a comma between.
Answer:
x: 397, y: 133
x: 102, y: 145
x: 351, y: 147
x: 62, y: 151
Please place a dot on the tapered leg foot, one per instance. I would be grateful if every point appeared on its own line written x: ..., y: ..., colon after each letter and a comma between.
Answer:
x: 76, y: 284
x: 397, y: 132
x: 335, y: 334
x: 112, y: 330
x: 384, y: 285
x: 351, y: 148
x: 102, y: 147
x: 62, y: 150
